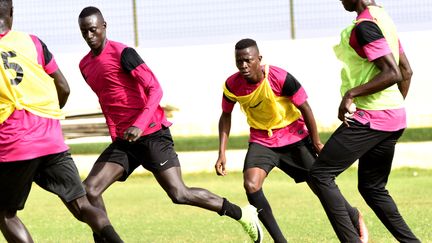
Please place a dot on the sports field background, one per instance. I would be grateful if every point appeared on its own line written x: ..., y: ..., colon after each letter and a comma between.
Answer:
x: 189, y: 46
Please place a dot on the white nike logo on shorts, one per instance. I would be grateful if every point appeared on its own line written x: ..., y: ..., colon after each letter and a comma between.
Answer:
x: 162, y: 164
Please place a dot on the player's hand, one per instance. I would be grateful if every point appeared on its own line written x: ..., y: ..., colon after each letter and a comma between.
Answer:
x: 318, y: 147
x: 132, y: 134
x: 220, y: 166
x: 346, y: 109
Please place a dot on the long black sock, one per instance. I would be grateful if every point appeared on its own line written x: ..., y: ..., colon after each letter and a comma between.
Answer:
x: 110, y: 235
x: 230, y: 210
x: 265, y: 214
x: 97, y: 238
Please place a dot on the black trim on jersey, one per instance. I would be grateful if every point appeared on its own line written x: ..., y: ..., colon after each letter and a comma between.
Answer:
x: 47, y: 54
x: 367, y: 32
x: 130, y: 59
x: 291, y: 85
x: 226, y: 98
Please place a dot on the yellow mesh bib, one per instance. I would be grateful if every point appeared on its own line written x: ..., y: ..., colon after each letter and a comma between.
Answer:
x: 264, y: 110
x: 24, y: 84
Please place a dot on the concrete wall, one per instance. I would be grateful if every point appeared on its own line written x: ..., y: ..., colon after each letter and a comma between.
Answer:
x: 192, y: 78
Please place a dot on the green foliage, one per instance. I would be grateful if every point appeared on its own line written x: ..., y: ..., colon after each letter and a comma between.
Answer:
x: 208, y: 143
x: 141, y: 211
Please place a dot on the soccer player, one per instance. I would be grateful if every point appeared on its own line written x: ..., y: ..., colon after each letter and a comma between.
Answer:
x: 283, y: 132
x: 376, y: 76
x: 32, y: 91
x: 129, y: 95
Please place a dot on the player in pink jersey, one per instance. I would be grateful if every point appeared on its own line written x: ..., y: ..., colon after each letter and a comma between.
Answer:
x: 32, y: 146
x: 129, y: 95
x: 283, y: 131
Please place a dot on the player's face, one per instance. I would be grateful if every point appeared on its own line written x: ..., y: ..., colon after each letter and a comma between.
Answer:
x: 93, y: 30
x: 248, y: 62
x: 349, y: 5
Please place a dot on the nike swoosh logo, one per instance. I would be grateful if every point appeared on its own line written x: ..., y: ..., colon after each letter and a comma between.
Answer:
x: 256, y: 105
x: 162, y: 164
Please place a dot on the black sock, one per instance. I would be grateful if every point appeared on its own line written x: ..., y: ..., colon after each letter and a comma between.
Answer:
x: 110, y: 235
x: 265, y: 214
x: 230, y: 210
x: 97, y: 238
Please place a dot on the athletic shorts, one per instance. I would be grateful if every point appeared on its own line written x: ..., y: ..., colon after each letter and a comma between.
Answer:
x: 56, y: 173
x: 294, y: 159
x: 155, y: 152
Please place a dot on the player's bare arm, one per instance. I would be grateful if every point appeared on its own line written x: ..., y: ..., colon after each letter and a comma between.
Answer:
x: 224, y: 130
x: 406, y: 72
x: 389, y: 75
x: 309, y: 118
x: 62, y: 87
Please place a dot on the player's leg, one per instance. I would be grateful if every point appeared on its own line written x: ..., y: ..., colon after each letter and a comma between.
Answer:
x: 95, y: 217
x: 16, y: 179
x: 297, y: 161
x: 111, y: 166
x: 101, y: 176
x: 157, y: 152
x: 373, y: 173
x: 59, y: 175
x: 258, y: 163
x: 171, y: 181
x: 344, y: 147
x: 12, y: 228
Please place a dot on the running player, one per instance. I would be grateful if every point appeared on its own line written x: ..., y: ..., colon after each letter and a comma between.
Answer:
x: 283, y: 132
x: 129, y: 95
x: 32, y: 91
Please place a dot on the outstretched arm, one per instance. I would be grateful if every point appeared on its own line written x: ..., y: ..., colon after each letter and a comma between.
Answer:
x: 224, y: 131
x: 309, y: 119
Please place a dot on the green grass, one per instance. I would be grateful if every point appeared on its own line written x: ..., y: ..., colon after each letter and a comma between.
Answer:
x: 208, y: 143
x: 141, y: 212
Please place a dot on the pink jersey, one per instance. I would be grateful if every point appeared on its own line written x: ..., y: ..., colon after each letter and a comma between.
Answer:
x: 128, y: 91
x: 369, y: 42
x: 25, y: 136
x: 282, y: 84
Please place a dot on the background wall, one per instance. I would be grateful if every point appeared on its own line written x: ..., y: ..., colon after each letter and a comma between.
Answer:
x: 189, y: 46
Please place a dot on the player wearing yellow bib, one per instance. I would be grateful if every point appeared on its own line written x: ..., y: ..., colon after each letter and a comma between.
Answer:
x: 283, y: 131
x: 32, y: 91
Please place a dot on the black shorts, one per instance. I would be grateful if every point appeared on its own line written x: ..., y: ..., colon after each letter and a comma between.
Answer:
x: 294, y: 159
x: 155, y: 152
x: 56, y: 173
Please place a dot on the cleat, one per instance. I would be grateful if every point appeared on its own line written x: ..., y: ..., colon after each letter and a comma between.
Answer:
x: 250, y: 223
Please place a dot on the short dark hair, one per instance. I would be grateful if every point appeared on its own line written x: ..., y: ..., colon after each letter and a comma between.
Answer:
x: 5, y: 7
x: 87, y: 11
x: 245, y: 43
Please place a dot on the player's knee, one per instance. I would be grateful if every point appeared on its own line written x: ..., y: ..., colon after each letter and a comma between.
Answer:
x: 251, y: 186
x: 92, y: 191
x: 178, y: 196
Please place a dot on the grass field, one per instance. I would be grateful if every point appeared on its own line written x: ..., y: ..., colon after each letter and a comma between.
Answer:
x: 141, y: 212
x: 207, y: 143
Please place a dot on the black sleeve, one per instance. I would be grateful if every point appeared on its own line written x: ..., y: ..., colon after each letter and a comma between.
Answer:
x: 225, y: 97
x: 291, y: 85
x: 47, y: 54
x: 367, y: 32
x: 130, y: 59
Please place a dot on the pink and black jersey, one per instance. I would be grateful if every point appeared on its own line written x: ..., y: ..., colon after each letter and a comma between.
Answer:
x: 369, y: 42
x: 128, y: 91
x: 282, y: 84
x: 25, y: 136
